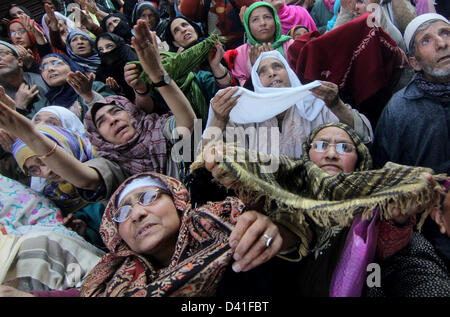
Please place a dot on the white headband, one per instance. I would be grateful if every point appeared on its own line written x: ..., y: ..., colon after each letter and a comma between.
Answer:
x: 141, y: 182
x: 417, y: 22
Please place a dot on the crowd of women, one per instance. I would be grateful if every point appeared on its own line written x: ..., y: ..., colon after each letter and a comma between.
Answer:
x: 198, y: 148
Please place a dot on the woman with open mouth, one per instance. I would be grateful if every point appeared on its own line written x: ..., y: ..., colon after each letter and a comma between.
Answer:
x: 81, y: 49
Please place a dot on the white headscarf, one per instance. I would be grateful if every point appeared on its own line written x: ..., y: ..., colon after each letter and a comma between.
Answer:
x: 68, y: 119
x: 267, y: 102
x: 146, y: 181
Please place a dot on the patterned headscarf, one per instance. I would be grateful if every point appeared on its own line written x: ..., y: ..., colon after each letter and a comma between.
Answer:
x: 89, y: 63
x: 279, y: 38
x: 146, y: 151
x: 68, y: 119
x: 201, y: 253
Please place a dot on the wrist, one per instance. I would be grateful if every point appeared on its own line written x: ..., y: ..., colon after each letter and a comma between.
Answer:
x: 142, y: 92
x: 87, y: 97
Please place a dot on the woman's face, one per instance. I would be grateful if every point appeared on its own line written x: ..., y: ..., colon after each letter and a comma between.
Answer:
x: 46, y: 117
x: 19, y: 35
x: 262, y: 25
x: 105, y: 45
x: 15, y: 12
x: 360, y: 8
x: 272, y: 73
x: 330, y: 160
x: 54, y: 71
x: 81, y: 46
x: 150, y: 18
x: 114, y: 124
x: 299, y: 32
x: 33, y: 166
x: 151, y: 229
x: 111, y: 23
x: 183, y: 33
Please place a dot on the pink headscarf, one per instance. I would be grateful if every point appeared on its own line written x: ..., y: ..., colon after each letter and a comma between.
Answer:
x: 292, y: 15
x: 329, y: 4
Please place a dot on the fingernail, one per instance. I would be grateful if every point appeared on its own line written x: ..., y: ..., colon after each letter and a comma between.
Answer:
x: 236, y: 257
x: 233, y: 244
x: 236, y: 267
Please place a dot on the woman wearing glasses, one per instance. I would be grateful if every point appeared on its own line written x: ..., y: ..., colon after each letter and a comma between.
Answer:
x: 345, y: 216
x: 280, y: 106
x: 59, y: 72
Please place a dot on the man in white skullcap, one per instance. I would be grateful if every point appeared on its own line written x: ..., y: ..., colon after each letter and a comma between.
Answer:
x: 414, y: 127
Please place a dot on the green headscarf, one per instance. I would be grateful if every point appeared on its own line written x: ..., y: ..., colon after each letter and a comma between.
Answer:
x: 279, y: 37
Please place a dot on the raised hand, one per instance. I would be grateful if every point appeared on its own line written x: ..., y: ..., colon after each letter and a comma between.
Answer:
x: 146, y: 46
x: 25, y: 95
x: 131, y: 75
x: 82, y: 84
x: 7, y: 100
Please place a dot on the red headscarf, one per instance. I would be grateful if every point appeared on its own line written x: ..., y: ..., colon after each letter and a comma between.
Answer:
x: 33, y: 47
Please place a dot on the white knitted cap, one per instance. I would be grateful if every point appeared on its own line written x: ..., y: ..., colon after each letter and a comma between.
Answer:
x: 417, y: 22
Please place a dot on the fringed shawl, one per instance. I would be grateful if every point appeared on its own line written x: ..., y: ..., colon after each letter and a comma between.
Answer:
x: 200, y: 258
x: 298, y: 194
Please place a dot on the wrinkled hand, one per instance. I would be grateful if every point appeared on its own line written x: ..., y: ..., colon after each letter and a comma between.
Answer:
x: 84, y: 18
x: 223, y: 102
x: 75, y: 224
x: 248, y: 240
x: 30, y: 25
x: 328, y: 92
x: 26, y: 55
x: 81, y: 83
x: 7, y: 140
x: 25, y: 95
x: 50, y: 19
x: 400, y: 219
x: 7, y: 100
x: 8, y: 291
x: 112, y: 83
x: 213, y: 155
x: 131, y: 75
x: 146, y: 46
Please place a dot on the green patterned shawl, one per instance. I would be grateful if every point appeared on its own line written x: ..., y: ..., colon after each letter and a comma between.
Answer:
x: 304, y: 198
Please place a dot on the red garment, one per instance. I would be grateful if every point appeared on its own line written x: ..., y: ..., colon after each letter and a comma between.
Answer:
x: 33, y: 47
x: 358, y: 58
x: 392, y: 238
x: 227, y: 22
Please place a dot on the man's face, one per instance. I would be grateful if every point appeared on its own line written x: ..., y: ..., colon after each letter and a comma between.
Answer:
x: 433, y: 52
x: 9, y: 63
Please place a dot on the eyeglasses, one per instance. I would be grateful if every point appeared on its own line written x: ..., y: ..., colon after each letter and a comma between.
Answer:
x: 18, y: 32
x: 54, y: 63
x: 341, y: 148
x: 5, y: 53
x: 146, y: 198
x: 34, y: 170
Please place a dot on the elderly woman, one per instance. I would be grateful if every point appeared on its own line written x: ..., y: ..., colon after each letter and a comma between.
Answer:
x: 263, y: 30
x: 135, y: 141
x: 81, y: 49
x: 319, y: 196
x: 281, y: 113
x: 61, y: 73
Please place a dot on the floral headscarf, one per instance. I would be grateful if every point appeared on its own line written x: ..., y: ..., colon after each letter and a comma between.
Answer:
x: 201, y: 253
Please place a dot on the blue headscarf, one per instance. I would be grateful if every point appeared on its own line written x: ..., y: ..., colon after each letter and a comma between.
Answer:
x: 332, y: 21
x: 90, y: 63
x: 63, y: 95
